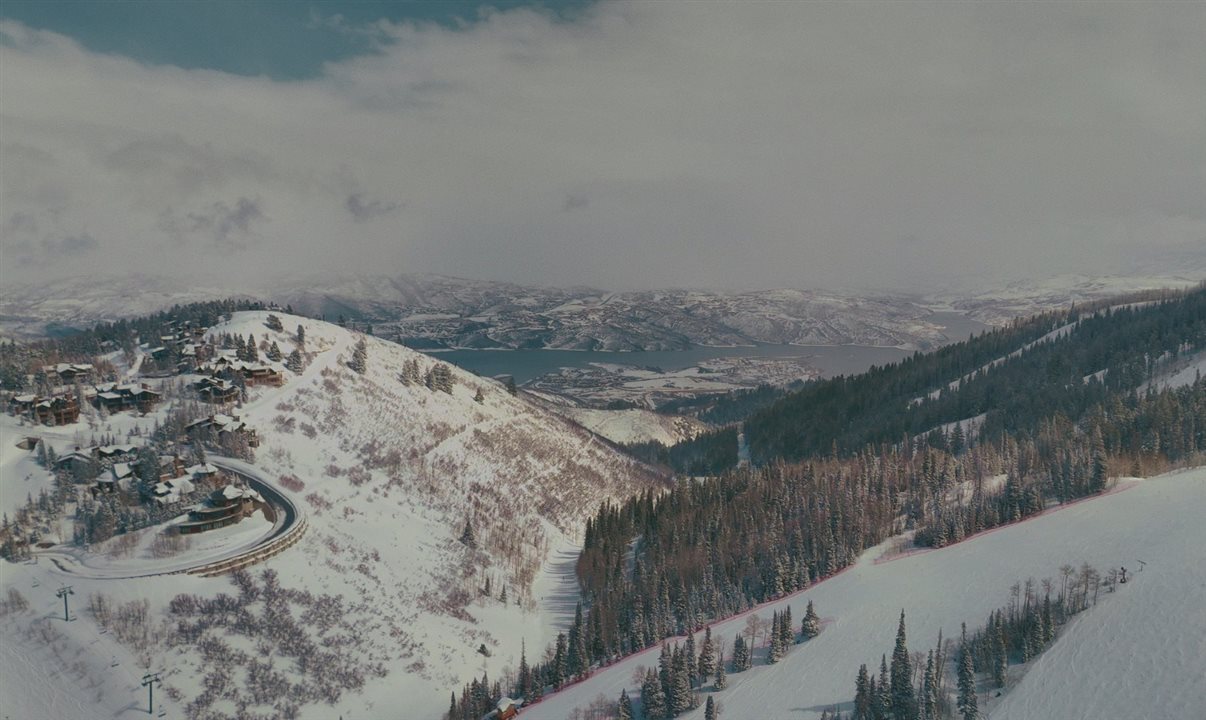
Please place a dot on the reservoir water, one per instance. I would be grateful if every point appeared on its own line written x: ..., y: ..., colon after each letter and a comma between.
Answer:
x: 831, y: 360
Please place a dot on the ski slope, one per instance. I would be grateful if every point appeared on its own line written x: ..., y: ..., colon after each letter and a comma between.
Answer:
x: 1140, y: 653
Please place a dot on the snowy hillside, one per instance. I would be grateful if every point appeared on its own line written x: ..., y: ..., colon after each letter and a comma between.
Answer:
x: 388, y: 474
x: 1138, y: 653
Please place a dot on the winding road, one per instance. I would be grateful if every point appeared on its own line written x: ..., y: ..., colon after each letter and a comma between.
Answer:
x: 288, y: 527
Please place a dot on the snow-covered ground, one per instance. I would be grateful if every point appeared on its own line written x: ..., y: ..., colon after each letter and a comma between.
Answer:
x: 387, y: 473
x: 1141, y: 652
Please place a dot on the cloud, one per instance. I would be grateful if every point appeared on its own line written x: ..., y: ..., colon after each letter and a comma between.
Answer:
x: 638, y: 144
x: 70, y: 245
x: 363, y: 210
x: 229, y: 228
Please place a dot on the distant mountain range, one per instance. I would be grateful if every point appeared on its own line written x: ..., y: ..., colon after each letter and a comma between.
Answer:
x: 435, y: 311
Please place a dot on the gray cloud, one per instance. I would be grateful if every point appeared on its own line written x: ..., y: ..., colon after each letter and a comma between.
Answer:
x: 805, y: 144
x: 70, y: 245
x: 228, y: 228
x: 362, y: 210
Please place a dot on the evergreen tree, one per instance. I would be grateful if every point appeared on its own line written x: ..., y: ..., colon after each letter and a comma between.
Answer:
x: 452, y: 711
x: 904, y: 703
x: 624, y: 712
x: 467, y: 536
x: 511, y: 385
x: 741, y: 654
x: 811, y: 626
x: 929, y: 691
x: 479, y: 398
x: 559, y: 673
x: 653, y: 698
x: 722, y: 680
x: 710, y: 712
x: 359, y: 361
x: 253, y: 354
x: 301, y: 336
x: 274, y: 352
x: 294, y: 362
x: 690, y: 660
x: 966, y: 702
x: 863, y: 697
x: 707, y: 657
x: 681, y: 697
x: 576, y: 658
x: 775, y: 649
x: 274, y: 323
x: 884, y: 690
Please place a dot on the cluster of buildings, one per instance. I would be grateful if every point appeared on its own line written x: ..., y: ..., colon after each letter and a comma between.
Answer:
x: 118, y: 471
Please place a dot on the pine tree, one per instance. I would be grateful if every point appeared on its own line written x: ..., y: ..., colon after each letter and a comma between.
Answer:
x: 681, y: 698
x: 710, y: 710
x: 722, y: 680
x: 452, y: 713
x: 690, y: 658
x: 966, y: 702
x: 479, y: 398
x: 301, y: 336
x: 525, y: 671
x: 707, y: 657
x: 294, y: 362
x: 559, y: 662
x: 929, y: 691
x: 576, y: 659
x: 904, y: 703
x: 467, y: 537
x: 274, y: 323
x: 359, y: 361
x: 653, y: 697
x: 511, y: 385
x: 862, y: 695
x: 624, y: 712
x: 741, y: 655
x: 884, y: 696
x: 775, y: 649
x: 253, y: 355
x: 274, y: 352
x: 811, y: 626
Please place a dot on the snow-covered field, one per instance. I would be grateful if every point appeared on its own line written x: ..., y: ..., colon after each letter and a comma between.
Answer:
x: 1140, y: 653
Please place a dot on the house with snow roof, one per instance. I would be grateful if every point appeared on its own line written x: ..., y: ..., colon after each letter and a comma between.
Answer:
x: 224, y: 507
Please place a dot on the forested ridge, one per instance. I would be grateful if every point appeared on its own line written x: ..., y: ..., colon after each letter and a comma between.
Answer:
x: 984, y: 375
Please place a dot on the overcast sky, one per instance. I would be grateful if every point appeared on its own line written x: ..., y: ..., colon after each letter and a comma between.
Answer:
x: 621, y: 145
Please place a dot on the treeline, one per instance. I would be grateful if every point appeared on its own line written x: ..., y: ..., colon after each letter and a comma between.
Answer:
x: 1016, y: 392
x: 708, y: 453
x: 730, y: 407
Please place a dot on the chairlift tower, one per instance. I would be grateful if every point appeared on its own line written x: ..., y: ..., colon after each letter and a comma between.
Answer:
x: 63, y: 592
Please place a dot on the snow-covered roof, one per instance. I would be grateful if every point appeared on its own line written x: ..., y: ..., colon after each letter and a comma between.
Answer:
x: 122, y: 470
x: 25, y: 398
x: 234, y: 492
x: 201, y: 469
x: 110, y: 396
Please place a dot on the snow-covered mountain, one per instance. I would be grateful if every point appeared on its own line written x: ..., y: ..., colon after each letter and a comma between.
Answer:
x: 386, y: 581
x: 440, y: 311
x: 36, y: 309
x: 997, y: 305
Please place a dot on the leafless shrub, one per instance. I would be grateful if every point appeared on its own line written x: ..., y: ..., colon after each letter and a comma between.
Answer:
x: 358, y: 476
x: 123, y: 545
x: 14, y: 603
x: 308, y: 430
x: 333, y: 471
x: 290, y: 482
x: 318, y: 502
x: 169, y: 543
x: 284, y: 424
